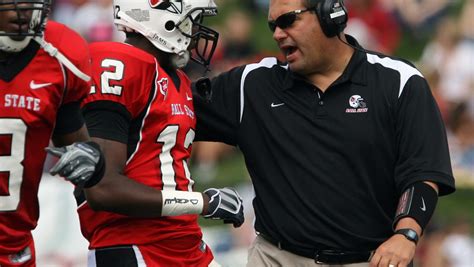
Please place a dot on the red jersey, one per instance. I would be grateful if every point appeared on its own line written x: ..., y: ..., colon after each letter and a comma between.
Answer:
x: 32, y: 89
x: 160, y: 131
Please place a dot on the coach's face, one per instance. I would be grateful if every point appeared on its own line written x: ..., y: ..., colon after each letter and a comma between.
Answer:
x: 303, y: 42
x: 13, y: 21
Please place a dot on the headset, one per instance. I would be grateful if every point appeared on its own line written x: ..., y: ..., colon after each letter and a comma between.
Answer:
x: 332, y: 15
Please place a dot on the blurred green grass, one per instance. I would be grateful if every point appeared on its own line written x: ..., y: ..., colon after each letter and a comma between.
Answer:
x: 231, y: 171
x: 457, y: 205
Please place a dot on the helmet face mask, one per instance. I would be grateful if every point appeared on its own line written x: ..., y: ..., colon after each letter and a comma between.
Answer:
x: 203, y: 39
x: 21, y: 20
x: 173, y: 26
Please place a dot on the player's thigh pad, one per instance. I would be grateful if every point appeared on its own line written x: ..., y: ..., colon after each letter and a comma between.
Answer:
x: 123, y: 256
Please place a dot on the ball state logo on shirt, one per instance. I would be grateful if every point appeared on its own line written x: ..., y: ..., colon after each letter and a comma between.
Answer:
x: 163, y: 84
x: 357, y: 104
x: 166, y: 5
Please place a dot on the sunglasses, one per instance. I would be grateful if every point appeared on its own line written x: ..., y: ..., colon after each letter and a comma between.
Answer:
x: 286, y: 20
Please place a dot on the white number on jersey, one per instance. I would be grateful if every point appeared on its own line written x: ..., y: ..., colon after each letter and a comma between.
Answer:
x: 107, y: 76
x: 12, y: 164
x: 168, y: 138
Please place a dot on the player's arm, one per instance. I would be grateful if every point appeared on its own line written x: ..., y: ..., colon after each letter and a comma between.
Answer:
x: 70, y: 126
x: 117, y: 193
x: 80, y: 160
x: 81, y: 135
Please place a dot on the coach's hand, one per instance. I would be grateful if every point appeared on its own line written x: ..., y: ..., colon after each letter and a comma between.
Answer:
x: 396, y: 251
x: 225, y: 204
x: 81, y: 163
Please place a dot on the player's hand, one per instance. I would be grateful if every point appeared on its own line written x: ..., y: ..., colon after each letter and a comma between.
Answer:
x: 225, y: 204
x: 396, y: 251
x: 77, y: 162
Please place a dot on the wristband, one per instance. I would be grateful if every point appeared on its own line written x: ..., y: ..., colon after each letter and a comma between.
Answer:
x: 99, y: 167
x: 176, y: 203
x: 417, y: 202
x: 409, y: 234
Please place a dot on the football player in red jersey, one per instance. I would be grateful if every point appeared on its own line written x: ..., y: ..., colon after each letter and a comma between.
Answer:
x: 44, y: 74
x: 140, y: 110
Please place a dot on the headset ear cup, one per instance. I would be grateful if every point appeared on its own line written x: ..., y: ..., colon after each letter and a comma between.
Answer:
x: 332, y: 15
x: 322, y: 18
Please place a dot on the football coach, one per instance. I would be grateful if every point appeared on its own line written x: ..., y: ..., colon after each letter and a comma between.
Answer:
x: 346, y: 148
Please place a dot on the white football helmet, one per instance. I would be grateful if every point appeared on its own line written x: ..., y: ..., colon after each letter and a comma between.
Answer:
x: 17, y: 39
x: 356, y: 101
x: 171, y: 25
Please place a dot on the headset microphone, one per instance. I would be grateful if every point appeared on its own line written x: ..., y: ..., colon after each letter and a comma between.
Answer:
x: 353, y: 46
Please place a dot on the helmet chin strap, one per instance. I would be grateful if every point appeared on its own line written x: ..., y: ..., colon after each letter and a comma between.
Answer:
x: 54, y: 52
x: 9, y: 45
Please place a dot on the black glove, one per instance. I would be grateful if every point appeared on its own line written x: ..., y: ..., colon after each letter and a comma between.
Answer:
x: 225, y: 204
x: 81, y: 163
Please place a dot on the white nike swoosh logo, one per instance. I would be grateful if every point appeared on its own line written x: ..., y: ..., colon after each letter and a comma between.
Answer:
x: 188, y: 98
x: 35, y: 86
x: 273, y: 105
x: 423, y: 208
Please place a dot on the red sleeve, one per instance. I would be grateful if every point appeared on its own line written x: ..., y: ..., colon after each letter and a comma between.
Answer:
x: 74, y: 48
x: 122, y: 74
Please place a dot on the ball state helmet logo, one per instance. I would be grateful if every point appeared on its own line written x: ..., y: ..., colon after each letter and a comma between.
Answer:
x: 158, y: 3
x: 166, y: 5
x: 356, y: 101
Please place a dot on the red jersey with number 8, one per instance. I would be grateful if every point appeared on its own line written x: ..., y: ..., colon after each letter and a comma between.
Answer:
x: 32, y: 89
x: 162, y: 115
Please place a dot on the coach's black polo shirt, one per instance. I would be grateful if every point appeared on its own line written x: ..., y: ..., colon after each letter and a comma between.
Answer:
x: 328, y: 168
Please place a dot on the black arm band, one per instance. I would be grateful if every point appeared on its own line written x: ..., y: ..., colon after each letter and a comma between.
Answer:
x: 99, y: 167
x: 417, y: 202
x: 69, y: 119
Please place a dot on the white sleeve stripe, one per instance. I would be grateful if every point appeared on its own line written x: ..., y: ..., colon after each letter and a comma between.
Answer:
x: 139, y: 257
x: 266, y: 62
x: 406, y: 71
x: 91, y: 262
